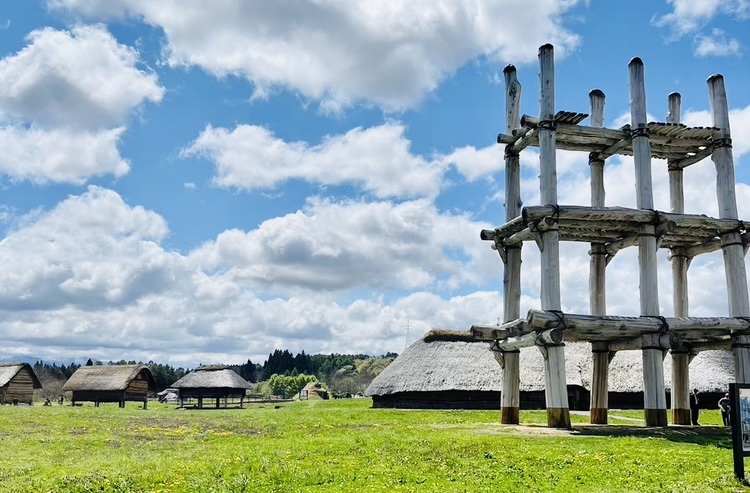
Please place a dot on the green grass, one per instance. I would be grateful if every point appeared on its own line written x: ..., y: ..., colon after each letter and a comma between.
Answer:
x: 346, y: 446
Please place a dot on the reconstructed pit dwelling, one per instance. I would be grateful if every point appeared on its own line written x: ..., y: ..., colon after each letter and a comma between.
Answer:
x: 608, y: 230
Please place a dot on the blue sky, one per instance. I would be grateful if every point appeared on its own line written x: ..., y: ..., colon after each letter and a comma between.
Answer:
x: 191, y: 181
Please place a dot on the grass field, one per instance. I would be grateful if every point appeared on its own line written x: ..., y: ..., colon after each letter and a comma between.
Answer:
x: 346, y: 446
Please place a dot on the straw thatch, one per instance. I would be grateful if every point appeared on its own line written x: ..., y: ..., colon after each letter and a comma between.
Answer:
x: 107, y: 378
x: 17, y: 383
x: 212, y: 377
x: 458, y: 374
x: 212, y: 382
x: 313, y: 390
x: 116, y: 383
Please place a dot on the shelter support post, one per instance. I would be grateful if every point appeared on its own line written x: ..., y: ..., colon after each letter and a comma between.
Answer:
x: 510, y: 395
x: 680, y: 387
x: 600, y: 383
x: 556, y: 388
x: 680, y: 262
x: 597, y: 278
x: 731, y: 243
x: 655, y: 405
x: 510, y: 407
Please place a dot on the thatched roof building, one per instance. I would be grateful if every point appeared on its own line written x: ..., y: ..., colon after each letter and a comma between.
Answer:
x: 313, y: 390
x: 17, y: 383
x: 115, y: 383
x: 442, y: 372
x: 211, y: 382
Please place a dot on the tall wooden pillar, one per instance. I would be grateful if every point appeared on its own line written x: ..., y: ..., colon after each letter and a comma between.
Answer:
x: 680, y: 263
x: 556, y: 388
x: 731, y: 243
x: 655, y: 402
x: 597, y: 277
x: 511, y: 399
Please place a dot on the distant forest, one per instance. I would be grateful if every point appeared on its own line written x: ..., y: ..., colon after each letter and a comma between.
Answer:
x: 343, y: 373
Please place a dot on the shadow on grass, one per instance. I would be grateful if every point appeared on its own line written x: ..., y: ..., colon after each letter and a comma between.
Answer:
x: 715, y: 436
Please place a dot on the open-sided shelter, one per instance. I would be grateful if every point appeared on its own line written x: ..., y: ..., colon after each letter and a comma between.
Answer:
x: 211, y: 382
x: 115, y: 383
x: 446, y: 371
x: 17, y: 383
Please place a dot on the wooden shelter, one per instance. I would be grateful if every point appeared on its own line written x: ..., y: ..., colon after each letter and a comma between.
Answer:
x: 17, y: 383
x: 313, y: 391
x: 457, y: 373
x: 212, y: 382
x: 608, y: 230
x: 114, y: 383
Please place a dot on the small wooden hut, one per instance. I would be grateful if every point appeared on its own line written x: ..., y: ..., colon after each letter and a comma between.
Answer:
x: 17, y: 383
x: 115, y: 383
x: 313, y: 391
x: 212, y: 382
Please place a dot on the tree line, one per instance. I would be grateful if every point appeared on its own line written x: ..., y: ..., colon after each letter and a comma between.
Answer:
x: 336, y: 370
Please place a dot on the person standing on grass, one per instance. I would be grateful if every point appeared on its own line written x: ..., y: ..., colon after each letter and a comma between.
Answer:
x: 724, y: 408
x: 694, y: 410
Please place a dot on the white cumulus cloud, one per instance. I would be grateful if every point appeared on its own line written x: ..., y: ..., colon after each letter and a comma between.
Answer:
x: 716, y: 44
x: 341, y: 52
x: 377, y: 159
x: 64, y: 100
x: 689, y: 16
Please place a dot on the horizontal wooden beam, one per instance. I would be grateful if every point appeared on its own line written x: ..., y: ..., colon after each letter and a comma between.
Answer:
x: 720, y: 345
x: 666, y: 340
x: 539, y: 338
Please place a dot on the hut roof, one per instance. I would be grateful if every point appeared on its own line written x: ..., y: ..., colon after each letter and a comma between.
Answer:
x: 314, y: 387
x: 445, y: 364
x: 10, y: 370
x: 107, y: 378
x: 212, y: 377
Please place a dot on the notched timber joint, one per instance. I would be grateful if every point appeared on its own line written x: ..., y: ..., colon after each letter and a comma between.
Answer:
x: 501, y: 249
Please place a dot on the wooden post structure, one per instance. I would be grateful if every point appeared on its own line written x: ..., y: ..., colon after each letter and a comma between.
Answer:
x: 654, y: 397
x: 510, y: 360
x: 680, y: 264
x: 556, y: 388
x: 597, y: 277
x: 731, y: 242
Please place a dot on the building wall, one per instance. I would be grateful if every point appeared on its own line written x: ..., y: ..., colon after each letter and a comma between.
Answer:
x: 19, y: 389
x: 138, y: 388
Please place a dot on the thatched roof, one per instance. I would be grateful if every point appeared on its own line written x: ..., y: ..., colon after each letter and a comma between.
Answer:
x: 314, y: 387
x: 213, y: 377
x: 445, y: 364
x: 10, y: 370
x: 107, y: 378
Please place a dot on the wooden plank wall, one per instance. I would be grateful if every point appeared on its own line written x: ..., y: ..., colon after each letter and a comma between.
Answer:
x: 20, y: 389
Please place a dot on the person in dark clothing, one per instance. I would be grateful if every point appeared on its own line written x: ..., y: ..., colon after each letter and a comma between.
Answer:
x: 724, y: 408
x: 694, y: 410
